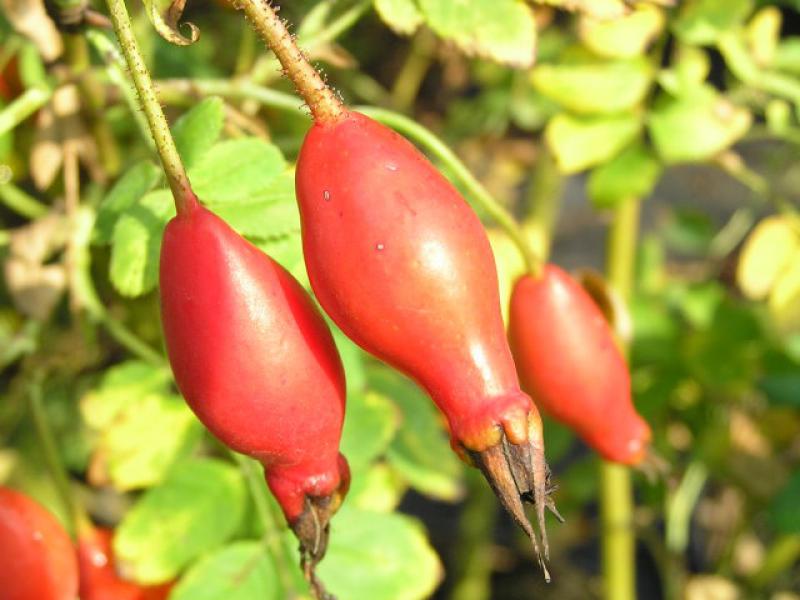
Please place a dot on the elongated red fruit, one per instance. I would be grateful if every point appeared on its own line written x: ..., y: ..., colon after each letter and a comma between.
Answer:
x: 256, y: 362
x: 37, y: 559
x: 99, y: 579
x: 402, y: 264
x: 569, y: 362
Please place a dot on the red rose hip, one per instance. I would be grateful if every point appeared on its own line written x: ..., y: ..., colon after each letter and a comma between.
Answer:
x: 256, y: 362
x: 37, y: 559
x: 403, y: 265
x: 569, y: 362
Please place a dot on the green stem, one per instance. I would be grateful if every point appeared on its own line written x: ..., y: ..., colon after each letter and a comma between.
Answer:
x: 115, y: 69
x: 544, y: 200
x: 251, y: 470
x: 21, y: 202
x: 182, y: 90
x: 681, y: 505
x: 783, y: 553
x: 83, y: 288
x: 474, y: 570
x: 49, y: 450
x: 409, y: 79
x: 23, y: 107
x: 92, y: 96
x: 159, y: 128
x: 325, y: 106
x: 338, y: 26
x: 616, y: 490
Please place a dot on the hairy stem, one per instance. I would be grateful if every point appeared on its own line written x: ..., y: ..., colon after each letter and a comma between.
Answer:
x: 616, y: 491
x: 159, y: 128
x: 325, y: 106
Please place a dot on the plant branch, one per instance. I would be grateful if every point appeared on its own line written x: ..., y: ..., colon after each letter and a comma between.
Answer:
x: 159, y: 128
x: 325, y: 106
x: 250, y: 469
x: 115, y: 69
x: 21, y: 202
x: 616, y: 490
x: 76, y: 517
x: 23, y: 107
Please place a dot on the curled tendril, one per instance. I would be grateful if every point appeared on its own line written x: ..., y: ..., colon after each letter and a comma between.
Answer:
x: 165, y: 16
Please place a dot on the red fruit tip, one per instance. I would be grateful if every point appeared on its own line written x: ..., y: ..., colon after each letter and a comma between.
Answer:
x: 518, y: 473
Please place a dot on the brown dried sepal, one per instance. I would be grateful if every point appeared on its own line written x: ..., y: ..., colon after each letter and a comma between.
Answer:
x: 312, y: 529
x: 518, y: 473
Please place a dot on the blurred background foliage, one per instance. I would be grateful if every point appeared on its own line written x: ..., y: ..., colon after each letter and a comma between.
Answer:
x: 563, y: 110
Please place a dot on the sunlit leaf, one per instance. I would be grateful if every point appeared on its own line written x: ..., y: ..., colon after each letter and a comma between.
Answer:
x: 503, y: 30
x: 401, y: 15
x: 240, y: 571
x: 768, y: 251
x: 631, y: 174
x: 194, y: 511
x: 379, y: 556
x: 595, y: 86
x: 703, y: 21
x: 625, y: 37
x: 582, y: 142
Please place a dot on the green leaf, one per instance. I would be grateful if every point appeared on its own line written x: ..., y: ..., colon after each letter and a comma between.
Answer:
x: 194, y: 511
x: 696, y: 127
x: 352, y: 360
x: 582, y: 142
x: 503, y: 30
x: 631, y: 174
x: 136, y: 243
x: 596, y: 86
x: 288, y: 252
x: 197, y: 130
x: 787, y: 55
x: 269, y: 213
x: 121, y: 386
x: 379, y: 556
x: 129, y: 189
x: 702, y: 22
x: 378, y: 489
x: 783, y: 511
x: 240, y: 571
x: 624, y: 37
x: 236, y: 171
x: 402, y: 16
x: 782, y: 389
x: 420, y: 451
x: 369, y: 425
x: 145, y: 441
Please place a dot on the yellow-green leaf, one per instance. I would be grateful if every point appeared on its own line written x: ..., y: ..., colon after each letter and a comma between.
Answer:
x: 767, y: 252
x: 625, y: 37
x: 582, y: 142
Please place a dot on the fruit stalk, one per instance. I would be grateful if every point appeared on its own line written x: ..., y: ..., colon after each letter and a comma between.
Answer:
x: 159, y: 128
x: 324, y: 104
x: 616, y: 493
